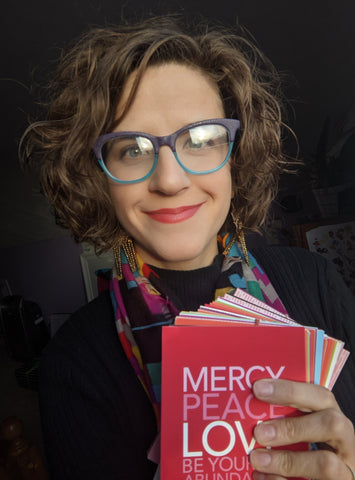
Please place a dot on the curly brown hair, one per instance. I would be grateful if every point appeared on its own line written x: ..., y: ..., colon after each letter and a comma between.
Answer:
x: 86, y: 89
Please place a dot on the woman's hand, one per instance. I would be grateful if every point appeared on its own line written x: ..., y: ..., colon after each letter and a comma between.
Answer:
x: 324, y: 423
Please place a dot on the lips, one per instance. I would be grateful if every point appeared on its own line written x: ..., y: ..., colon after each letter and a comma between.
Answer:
x: 174, y: 215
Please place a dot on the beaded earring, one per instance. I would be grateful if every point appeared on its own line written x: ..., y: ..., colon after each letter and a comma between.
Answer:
x: 238, y: 236
x: 124, y: 242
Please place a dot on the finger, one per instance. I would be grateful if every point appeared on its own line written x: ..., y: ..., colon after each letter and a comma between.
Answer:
x: 303, y: 396
x: 320, y: 465
x: 328, y: 426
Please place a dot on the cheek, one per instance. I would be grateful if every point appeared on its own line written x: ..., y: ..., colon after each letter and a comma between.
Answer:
x: 126, y: 200
x: 119, y: 200
x: 223, y: 185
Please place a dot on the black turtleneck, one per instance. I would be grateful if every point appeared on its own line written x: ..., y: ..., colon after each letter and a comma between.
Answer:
x: 188, y: 289
x: 90, y: 394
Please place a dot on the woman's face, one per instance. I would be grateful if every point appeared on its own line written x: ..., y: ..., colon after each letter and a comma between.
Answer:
x: 173, y: 216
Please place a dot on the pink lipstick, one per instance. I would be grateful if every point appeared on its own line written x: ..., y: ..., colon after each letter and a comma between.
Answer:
x: 174, y: 215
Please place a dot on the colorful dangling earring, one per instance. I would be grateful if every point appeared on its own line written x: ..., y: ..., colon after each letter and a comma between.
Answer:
x: 124, y: 242
x: 238, y: 236
x: 241, y: 239
x: 230, y: 245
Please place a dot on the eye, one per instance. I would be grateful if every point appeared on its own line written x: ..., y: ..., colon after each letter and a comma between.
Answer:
x: 132, y: 151
x: 205, y: 137
x: 190, y: 143
x: 197, y: 139
x: 127, y: 149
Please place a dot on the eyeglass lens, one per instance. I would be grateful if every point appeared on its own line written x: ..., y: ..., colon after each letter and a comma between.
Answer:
x: 199, y: 149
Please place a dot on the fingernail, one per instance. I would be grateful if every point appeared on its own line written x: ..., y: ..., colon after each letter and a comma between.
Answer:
x: 260, y: 459
x: 263, y: 388
x: 265, y: 433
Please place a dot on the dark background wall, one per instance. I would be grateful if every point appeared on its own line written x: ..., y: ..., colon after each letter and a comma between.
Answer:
x: 312, y: 41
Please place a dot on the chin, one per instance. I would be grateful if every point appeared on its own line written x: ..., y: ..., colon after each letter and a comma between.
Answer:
x: 182, y: 258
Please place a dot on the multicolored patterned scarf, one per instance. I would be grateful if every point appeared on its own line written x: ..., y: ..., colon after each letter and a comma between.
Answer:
x: 142, y: 308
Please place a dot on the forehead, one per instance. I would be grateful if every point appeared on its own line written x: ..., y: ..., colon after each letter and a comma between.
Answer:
x: 166, y: 80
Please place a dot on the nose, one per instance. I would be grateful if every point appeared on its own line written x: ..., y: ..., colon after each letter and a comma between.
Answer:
x: 168, y: 178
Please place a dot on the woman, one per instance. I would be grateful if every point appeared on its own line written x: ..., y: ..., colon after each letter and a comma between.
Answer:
x: 185, y: 130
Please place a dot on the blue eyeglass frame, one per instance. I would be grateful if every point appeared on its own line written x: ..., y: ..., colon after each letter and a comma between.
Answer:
x: 232, y: 125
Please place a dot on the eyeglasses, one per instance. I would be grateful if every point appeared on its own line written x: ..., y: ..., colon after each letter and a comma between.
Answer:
x: 199, y: 148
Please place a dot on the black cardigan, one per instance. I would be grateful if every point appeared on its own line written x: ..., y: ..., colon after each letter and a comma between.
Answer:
x: 98, y: 422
